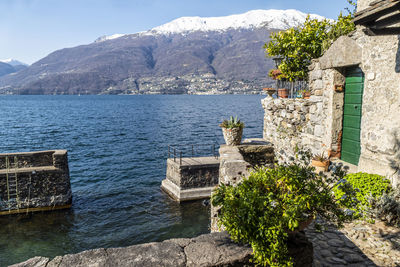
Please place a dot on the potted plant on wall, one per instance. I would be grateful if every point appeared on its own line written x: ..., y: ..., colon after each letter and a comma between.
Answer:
x: 320, y: 162
x: 306, y: 94
x: 283, y: 93
x: 232, y: 130
x: 270, y: 91
x: 277, y: 75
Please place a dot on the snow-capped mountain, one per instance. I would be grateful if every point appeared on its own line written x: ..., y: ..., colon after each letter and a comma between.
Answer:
x: 13, y: 62
x: 190, y: 55
x: 269, y: 19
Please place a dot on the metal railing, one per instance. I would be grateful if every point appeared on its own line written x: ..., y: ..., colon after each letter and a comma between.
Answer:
x: 295, y: 89
x: 177, y: 152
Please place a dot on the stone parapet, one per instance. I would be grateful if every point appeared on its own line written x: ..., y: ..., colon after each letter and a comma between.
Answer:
x: 291, y: 123
x: 215, y: 249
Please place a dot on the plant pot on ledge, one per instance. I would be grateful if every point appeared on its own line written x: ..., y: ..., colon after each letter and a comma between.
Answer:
x: 232, y: 130
x: 320, y: 162
x: 270, y: 91
x: 283, y: 93
x: 306, y: 95
x: 232, y: 136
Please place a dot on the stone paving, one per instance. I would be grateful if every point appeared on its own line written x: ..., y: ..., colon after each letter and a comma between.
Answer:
x: 357, y: 244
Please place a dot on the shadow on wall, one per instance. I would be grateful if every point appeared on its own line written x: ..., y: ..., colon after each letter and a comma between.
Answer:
x: 397, y: 67
x: 394, y: 161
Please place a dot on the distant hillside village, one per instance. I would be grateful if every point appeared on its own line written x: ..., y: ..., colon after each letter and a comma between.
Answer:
x: 181, y: 57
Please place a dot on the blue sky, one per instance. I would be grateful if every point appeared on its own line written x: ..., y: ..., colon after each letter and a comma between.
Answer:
x: 31, y: 29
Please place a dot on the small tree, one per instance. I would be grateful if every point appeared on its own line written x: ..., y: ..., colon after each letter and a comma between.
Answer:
x: 299, y: 45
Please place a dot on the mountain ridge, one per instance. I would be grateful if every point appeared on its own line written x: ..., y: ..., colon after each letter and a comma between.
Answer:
x: 13, y: 62
x: 273, y: 18
x: 192, y: 62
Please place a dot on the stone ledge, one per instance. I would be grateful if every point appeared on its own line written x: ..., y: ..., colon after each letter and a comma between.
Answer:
x: 214, y: 249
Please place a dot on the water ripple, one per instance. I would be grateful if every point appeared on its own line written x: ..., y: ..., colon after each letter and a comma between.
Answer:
x: 117, y: 154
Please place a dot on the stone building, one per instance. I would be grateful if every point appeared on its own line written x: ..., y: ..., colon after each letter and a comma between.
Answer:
x: 353, y: 113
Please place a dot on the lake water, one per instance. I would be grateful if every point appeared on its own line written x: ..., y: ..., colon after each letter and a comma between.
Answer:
x: 117, y: 149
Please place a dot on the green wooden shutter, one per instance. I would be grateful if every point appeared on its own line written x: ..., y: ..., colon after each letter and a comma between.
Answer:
x: 351, y: 148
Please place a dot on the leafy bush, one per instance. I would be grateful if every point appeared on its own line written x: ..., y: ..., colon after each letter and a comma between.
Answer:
x: 262, y: 209
x: 298, y: 46
x: 233, y: 122
x: 387, y: 208
x: 367, y: 186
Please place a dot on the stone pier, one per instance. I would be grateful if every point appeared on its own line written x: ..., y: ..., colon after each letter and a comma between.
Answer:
x: 191, y: 178
x: 34, y: 181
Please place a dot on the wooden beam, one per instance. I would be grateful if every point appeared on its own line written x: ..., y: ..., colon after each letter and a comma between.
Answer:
x: 376, y: 13
x: 382, y: 31
x: 393, y: 19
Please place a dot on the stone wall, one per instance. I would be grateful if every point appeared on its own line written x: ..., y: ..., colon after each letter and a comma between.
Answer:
x: 313, y: 123
x: 380, y: 122
x: 35, y: 181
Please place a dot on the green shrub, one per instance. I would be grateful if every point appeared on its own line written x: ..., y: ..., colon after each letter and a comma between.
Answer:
x: 270, y: 202
x: 367, y: 186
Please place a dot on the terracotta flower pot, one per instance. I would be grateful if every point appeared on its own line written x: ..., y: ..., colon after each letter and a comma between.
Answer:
x: 306, y: 95
x: 320, y: 165
x: 283, y: 93
x: 233, y: 136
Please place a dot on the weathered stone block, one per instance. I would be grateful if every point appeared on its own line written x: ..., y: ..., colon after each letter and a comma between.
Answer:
x: 343, y: 52
x: 318, y: 85
x: 319, y: 130
x: 316, y: 74
x: 318, y: 92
